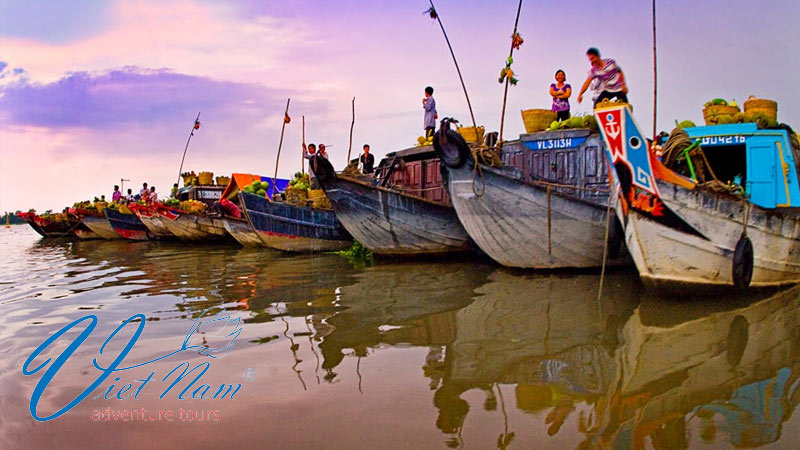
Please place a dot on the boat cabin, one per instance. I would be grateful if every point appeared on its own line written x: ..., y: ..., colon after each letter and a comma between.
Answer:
x: 764, y: 162
x: 562, y: 158
x: 415, y: 171
x: 207, y: 194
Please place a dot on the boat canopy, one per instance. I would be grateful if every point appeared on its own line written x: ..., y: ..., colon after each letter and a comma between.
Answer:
x: 761, y: 160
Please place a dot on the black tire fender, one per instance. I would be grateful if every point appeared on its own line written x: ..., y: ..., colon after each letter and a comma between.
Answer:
x: 743, y: 263
x: 451, y: 148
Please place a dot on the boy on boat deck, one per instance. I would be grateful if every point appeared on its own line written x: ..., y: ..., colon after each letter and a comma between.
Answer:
x: 429, y: 105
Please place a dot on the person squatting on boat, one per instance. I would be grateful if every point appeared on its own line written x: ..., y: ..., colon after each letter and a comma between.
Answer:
x: 429, y: 105
x: 606, y: 78
x: 561, y: 91
x: 367, y: 161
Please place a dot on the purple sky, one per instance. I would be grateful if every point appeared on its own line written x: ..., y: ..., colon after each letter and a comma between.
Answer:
x: 101, y: 90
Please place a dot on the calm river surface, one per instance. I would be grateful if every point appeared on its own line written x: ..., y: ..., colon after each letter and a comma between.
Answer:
x: 396, y: 355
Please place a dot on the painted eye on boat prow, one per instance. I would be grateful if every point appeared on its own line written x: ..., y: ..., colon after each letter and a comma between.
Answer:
x: 635, y: 142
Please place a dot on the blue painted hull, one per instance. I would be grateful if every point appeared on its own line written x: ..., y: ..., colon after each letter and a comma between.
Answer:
x: 127, y: 225
x: 292, y: 228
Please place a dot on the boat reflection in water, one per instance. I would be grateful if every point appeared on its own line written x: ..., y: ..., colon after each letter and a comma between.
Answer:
x: 425, y: 355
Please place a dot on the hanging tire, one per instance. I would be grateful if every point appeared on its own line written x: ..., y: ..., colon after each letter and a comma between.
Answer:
x: 743, y: 263
x: 323, y: 169
x: 451, y: 148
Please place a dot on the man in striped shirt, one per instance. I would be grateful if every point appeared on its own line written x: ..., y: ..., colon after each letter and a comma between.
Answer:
x: 608, y: 78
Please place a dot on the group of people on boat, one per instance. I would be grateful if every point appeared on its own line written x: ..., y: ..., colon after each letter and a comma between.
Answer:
x: 148, y: 195
x: 605, y: 79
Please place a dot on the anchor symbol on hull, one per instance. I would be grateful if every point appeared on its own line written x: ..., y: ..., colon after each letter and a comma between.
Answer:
x: 613, y: 129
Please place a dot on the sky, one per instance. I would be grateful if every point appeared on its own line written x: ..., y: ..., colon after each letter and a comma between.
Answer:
x: 94, y: 91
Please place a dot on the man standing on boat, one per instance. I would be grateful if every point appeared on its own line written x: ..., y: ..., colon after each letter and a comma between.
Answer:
x: 429, y: 105
x: 367, y: 161
x: 608, y: 78
x: 310, y: 152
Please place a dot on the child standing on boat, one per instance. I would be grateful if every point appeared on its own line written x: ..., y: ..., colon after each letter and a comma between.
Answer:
x: 561, y: 91
x: 607, y: 76
x: 429, y: 105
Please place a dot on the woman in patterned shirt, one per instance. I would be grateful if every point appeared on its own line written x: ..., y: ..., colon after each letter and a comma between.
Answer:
x: 561, y: 91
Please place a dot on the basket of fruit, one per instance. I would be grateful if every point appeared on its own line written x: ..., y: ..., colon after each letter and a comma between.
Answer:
x: 537, y: 119
x: 189, y: 178
x: 719, y: 107
x: 257, y: 187
x: 193, y: 206
x: 769, y: 108
x: 223, y: 181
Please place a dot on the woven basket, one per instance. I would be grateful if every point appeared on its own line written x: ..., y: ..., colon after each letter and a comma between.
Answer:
x: 470, y: 135
x: 318, y: 199
x: 710, y: 112
x: 761, y: 105
x: 189, y: 180
x: 223, y: 181
x: 296, y: 197
x: 537, y: 119
x: 205, y: 178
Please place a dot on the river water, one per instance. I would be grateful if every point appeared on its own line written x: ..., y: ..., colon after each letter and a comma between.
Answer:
x: 396, y: 355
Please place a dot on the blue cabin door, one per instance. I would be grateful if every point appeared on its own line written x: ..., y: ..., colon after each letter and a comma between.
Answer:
x: 762, y: 179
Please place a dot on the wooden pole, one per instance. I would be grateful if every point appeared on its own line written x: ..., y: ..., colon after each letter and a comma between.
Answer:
x: 655, y: 74
x: 352, y: 124
x: 191, y: 133
x: 303, y: 157
x: 280, y: 144
x: 505, y: 89
x: 463, y: 86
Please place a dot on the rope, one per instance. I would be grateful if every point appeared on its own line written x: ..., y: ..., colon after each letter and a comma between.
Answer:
x: 605, y: 251
x: 483, y: 155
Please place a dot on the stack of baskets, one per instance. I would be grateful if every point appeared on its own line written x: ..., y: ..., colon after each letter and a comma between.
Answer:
x: 223, y: 181
x: 471, y: 134
x: 537, y: 119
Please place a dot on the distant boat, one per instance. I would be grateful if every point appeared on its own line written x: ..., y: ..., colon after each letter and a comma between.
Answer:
x: 195, y: 227
x: 48, y: 225
x: 290, y: 228
x: 544, y: 207
x: 743, y: 229
x: 127, y: 224
x: 404, y: 210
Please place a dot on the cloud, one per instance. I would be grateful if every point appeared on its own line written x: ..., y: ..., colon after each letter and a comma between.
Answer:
x: 131, y: 95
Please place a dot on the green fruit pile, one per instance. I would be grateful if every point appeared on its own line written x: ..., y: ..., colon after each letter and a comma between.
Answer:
x: 300, y: 181
x: 172, y: 202
x: 575, y: 122
x: 257, y: 187
x: 685, y: 124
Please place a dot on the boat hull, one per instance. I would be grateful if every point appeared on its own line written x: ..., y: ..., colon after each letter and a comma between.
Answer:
x: 241, y: 230
x: 101, y: 226
x: 149, y: 215
x: 509, y: 222
x: 47, y: 228
x: 667, y: 257
x: 294, y: 229
x: 392, y: 223
x: 84, y: 232
x: 127, y: 226
x: 196, y: 228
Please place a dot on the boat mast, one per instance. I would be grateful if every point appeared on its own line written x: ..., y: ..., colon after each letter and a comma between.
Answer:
x: 195, y: 126
x: 508, y: 79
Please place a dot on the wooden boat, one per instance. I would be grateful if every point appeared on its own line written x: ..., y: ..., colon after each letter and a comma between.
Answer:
x: 80, y: 229
x: 684, y: 232
x: 294, y: 228
x: 544, y: 207
x: 195, y: 227
x: 150, y: 217
x: 48, y: 225
x: 405, y: 210
x: 127, y: 225
x: 237, y: 225
x: 100, y: 225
